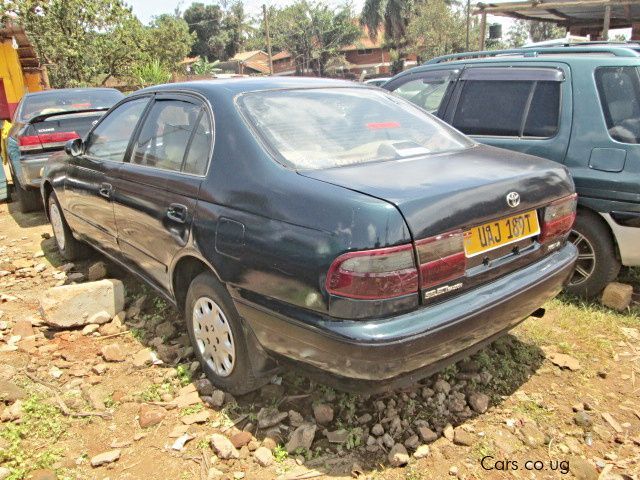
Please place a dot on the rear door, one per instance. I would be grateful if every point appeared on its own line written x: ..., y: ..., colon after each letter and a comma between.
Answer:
x: 89, y: 184
x: 157, y: 188
x: 523, y: 108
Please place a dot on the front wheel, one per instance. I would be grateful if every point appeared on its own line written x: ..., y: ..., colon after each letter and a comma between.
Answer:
x: 597, y: 264
x: 69, y: 247
x: 218, y: 339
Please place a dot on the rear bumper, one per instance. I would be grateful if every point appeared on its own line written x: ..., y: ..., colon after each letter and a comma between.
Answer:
x: 402, y: 349
x: 28, y: 168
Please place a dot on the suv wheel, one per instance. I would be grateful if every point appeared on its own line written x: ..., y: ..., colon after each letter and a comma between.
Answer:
x: 218, y: 339
x: 597, y: 263
x: 69, y: 247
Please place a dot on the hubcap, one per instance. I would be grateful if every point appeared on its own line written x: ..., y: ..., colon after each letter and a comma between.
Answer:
x: 214, y: 339
x: 56, y: 222
x: 586, y: 263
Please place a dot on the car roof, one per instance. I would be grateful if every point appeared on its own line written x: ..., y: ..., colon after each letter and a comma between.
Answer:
x: 235, y: 86
x: 599, y: 56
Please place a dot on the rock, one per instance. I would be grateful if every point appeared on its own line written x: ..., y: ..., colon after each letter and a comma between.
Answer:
x: 199, y: 417
x: 100, y: 317
x: 7, y: 372
x: 531, y: 436
x: 204, y: 387
x: 583, y: 419
x: 142, y: 358
x: 99, y: 369
x: 72, y: 305
x: 89, y: 329
x: 617, y: 296
x: 168, y: 353
x: 150, y: 415
x: 427, y: 393
x: 4, y: 473
x: 364, y: 419
x: 217, y: 398
x: 338, y: 436
x: 427, y: 435
x: 302, y: 437
x: 241, y: 439
x: 377, y: 430
x: 412, y: 442
x: 295, y: 419
x: 448, y: 432
x: 10, y: 392
x: 12, y: 413
x: 263, y: 456
x: 323, y: 413
x: 421, y: 452
x: 388, y: 440
x: 582, y: 469
x: 136, y: 307
x: 112, y: 353
x: 112, y: 328
x: 453, y: 471
x: 479, y: 402
x: 442, y: 386
x: 23, y: 328
x: 97, y: 271
x: 462, y: 437
x: 398, y: 456
x: 270, y: 416
x: 223, y: 447
x: 104, y: 458
x: 564, y: 361
x: 165, y: 330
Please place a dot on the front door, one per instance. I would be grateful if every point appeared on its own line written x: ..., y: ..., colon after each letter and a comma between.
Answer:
x: 157, y: 188
x: 89, y: 185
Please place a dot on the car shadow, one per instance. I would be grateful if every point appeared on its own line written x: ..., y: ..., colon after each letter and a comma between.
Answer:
x: 26, y: 220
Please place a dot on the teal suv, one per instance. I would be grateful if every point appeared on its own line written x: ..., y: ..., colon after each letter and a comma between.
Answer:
x: 576, y: 105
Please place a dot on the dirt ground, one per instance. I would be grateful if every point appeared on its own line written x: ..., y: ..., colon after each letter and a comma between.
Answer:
x: 562, y: 394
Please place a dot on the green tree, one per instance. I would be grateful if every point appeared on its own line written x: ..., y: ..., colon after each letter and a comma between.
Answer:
x: 169, y: 40
x: 541, y: 31
x: 69, y: 36
x: 518, y: 34
x: 206, y: 22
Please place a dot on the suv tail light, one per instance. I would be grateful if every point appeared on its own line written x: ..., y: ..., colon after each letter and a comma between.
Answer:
x: 374, y: 274
x: 441, y: 258
x: 558, y: 218
x: 45, y: 140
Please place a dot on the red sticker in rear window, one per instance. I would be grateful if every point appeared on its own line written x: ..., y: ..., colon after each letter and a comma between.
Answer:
x: 381, y: 125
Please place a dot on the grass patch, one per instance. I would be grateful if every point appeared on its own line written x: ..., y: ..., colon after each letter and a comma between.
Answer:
x: 154, y: 392
x: 198, y: 407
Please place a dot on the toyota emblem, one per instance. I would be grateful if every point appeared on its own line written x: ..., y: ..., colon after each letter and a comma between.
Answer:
x: 513, y: 199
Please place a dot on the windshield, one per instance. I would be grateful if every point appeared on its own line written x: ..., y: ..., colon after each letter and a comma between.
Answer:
x: 54, y: 101
x: 330, y: 127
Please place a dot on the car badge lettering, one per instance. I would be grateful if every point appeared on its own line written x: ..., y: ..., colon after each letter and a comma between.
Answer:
x: 442, y: 290
x: 513, y: 199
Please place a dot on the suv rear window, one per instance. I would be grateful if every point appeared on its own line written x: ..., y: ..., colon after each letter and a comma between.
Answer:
x: 331, y: 127
x: 510, y: 108
x: 54, y: 101
x: 619, y: 90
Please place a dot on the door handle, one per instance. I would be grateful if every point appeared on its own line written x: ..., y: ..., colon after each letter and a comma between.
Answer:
x: 105, y: 190
x: 177, y: 212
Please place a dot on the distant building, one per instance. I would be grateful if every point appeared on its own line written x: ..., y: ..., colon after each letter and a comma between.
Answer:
x: 255, y: 62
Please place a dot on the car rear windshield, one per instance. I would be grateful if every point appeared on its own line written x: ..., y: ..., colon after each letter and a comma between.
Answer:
x: 619, y: 89
x: 331, y: 127
x: 55, y: 101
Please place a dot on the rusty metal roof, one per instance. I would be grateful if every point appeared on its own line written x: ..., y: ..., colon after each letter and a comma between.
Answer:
x: 568, y: 13
x: 26, y: 51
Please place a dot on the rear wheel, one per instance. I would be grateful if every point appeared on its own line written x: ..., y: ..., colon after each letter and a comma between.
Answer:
x: 28, y: 199
x: 218, y: 339
x: 69, y: 247
x: 597, y: 263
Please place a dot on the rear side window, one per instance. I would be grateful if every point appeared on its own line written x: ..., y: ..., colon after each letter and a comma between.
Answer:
x: 110, y: 139
x: 331, y: 127
x: 619, y: 90
x: 510, y: 108
x: 166, y: 135
x: 425, y: 93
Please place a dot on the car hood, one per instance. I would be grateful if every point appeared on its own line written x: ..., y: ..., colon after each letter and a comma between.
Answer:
x: 437, y: 193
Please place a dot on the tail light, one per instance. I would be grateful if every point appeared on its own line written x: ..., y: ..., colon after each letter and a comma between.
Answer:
x: 45, y: 140
x: 441, y: 258
x: 374, y: 274
x: 558, y: 218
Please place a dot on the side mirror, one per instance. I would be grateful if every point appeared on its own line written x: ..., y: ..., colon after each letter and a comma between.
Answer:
x: 74, y: 147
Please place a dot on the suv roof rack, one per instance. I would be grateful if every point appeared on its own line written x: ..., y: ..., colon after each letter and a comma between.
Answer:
x: 618, y: 51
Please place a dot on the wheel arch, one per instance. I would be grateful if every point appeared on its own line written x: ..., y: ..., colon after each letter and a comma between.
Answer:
x: 47, y: 189
x: 586, y: 211
x: 185, y: 269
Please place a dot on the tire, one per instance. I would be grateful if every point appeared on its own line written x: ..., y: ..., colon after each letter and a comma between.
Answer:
x: 29, y: 200
x: 213, y: 337
x: 69, y: 247
x: 597, y: 263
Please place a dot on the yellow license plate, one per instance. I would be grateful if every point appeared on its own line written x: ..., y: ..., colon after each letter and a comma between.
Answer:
x: 501, y: 232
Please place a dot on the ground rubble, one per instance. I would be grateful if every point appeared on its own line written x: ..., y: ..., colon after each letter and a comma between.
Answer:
x: 120, y: 391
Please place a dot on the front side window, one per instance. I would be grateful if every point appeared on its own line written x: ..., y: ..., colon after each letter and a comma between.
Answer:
x: 510, y: 108
x: 164, y: 137
x: 109, y: 140
x: 619, y: 90
x: 331, y: 127
x: 424, y: 92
